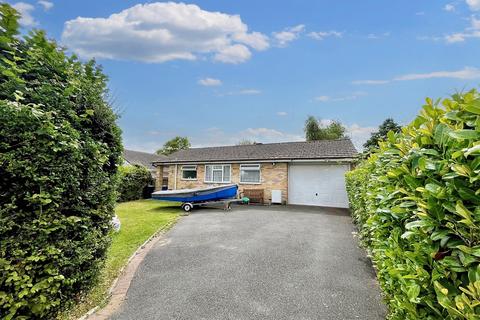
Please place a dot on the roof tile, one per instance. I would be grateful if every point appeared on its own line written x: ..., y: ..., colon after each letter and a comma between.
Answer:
x: 322, y: 149
x: 141, y: 158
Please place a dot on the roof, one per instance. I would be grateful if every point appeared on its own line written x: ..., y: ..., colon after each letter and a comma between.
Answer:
x: 141, y: 158
x: 311, y: 150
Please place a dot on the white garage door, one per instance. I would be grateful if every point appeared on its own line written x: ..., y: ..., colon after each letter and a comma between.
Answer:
x: 318, y: 185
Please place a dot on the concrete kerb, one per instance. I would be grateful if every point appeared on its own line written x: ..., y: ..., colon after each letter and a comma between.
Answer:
x: 118, y: 289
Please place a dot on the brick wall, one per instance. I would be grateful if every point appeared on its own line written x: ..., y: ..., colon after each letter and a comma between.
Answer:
x: 158, y: 178
x: 273, y: 177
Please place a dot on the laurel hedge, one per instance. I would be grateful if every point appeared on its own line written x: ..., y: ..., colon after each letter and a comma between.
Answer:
x: 416, y: 201
x: 133, y: 179
x: 59, y: 152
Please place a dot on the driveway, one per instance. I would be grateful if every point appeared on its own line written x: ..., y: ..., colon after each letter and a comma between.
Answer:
x: 256, y: 263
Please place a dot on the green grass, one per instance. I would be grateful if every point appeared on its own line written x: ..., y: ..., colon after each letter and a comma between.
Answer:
x: 140, y: 220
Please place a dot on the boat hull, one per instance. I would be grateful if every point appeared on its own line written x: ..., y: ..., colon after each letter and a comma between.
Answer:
x: 197, y: 195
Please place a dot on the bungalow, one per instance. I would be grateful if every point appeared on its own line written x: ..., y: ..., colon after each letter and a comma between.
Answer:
x: 304, y: 173
x: 144, y: 159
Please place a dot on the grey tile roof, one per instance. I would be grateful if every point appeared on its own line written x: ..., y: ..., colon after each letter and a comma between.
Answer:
x: 141, y: 158
x: 325, y: 149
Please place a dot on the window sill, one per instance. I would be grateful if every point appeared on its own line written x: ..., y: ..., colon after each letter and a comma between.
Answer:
x: 182, y: 179
x: 212, y: 182
x: 252, y: 183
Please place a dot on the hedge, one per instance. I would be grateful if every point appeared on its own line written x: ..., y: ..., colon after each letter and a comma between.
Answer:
x: 59, y: 152
x: 133, y: 180
x: 417, y: 205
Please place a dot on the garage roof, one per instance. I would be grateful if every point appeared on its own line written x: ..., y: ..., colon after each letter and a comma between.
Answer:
x: 311, y: 150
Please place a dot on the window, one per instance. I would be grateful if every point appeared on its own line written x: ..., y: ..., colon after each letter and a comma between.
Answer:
x: 189, y: 172
x: 217, y: 173
x: 250, y: 173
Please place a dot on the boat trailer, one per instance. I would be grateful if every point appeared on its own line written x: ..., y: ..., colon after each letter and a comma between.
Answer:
x: 226, y: 203
x: 189, y: 198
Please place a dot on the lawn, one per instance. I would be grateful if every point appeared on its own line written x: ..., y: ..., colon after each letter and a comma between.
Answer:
x: 140, y: 220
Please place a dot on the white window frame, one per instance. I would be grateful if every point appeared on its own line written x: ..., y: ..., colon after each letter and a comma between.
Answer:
x: 223, y: 170
x: 190, y: 168
x: 251, y: 165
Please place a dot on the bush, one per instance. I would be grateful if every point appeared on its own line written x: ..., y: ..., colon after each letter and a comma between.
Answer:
x: 417, y: 204
x: 133, y: 181
x: 59, y: 151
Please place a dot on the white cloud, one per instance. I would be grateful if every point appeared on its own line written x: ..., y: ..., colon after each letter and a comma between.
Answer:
x: 353, y: 96
x: 218, y: 137
x: 376, y: 36
x: 471, y: 32
x: 263, y: 132
x: 282, y: 113
x: 359, y: 135
x: 241, y: 92
x: 322, y: 98
x: 432, y: 38
x: 283, y: 38
x: 236, y: 53
x: 140, y: 144
x: 420, y: 13
x: 473, y: 4
x: 370, y: 82
x: 244, y: 92
x: 456, y: 37
x: 249, y: 91
x: 466, y: 73
x: 256, y: 40
x: 210, y: 82
x: 321, y: 35
x: 47, y: 5
x: 450, y: 7
x: 325, y: 122
x: 25, y: 9
x: 162, y: 31
x: 162, y: 133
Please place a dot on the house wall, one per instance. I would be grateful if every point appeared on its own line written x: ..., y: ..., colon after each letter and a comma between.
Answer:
x: 272, y: 176
x: 161, y: 176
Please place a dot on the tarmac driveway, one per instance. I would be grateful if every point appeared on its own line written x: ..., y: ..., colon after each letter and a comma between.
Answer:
x: 256, y: 263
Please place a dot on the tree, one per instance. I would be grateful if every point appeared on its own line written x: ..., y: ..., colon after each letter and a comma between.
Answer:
x: 9, y: 22
x: 388, y: 125
x: 60, y: 149
x: 314, y: 130
x: 133, y: 181
x: 335, y: 130
x: 173, y: 145
x: 246, y: 142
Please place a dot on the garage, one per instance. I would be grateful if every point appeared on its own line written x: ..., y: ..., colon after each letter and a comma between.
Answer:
x: 317, y: 184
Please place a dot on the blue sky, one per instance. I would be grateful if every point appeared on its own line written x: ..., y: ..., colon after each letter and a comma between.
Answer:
x: 222, y: 71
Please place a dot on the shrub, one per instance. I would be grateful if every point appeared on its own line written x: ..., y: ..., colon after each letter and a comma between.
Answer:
x: 417, y: 204
x: 59, y: 151
x: 132, y: 183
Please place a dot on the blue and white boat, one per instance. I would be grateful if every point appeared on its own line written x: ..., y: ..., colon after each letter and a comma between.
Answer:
x: 198, y: 195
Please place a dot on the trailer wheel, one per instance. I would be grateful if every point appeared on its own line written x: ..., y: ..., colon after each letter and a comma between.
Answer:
x: 187, y: 207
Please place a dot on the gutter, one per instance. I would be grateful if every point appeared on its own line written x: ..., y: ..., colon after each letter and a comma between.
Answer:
x: 332, y: 160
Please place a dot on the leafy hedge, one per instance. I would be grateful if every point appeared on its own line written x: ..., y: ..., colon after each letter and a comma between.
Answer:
x: 59, y: 151
x: 417, y: 204
x: 132, y: 183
